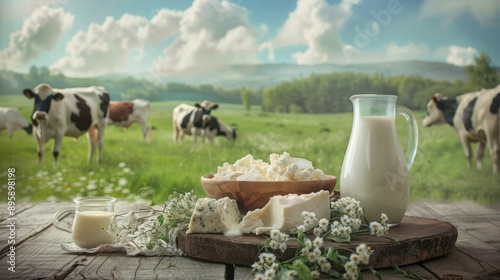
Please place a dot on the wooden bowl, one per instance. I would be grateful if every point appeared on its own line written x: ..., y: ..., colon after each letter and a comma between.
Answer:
x: 251, y: 195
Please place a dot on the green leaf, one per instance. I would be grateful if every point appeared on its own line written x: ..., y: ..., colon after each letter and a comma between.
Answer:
x: 332, y: 255
x: 339, y: 239
x: 334, y: 273
x: 377, y: 274
x: 303, y: 271
x: 160, y: 219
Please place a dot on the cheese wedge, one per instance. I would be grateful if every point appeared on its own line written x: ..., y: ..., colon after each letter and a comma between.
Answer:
x: 285, y: 212
x: 215, y: 216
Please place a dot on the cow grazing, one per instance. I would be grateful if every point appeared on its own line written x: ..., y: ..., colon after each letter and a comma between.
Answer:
x: 12, y: 120
x: 192, y: 120
x: 475, y: 118
x: 126, y: 113
x: 215, y: 127
x: 68, y: 112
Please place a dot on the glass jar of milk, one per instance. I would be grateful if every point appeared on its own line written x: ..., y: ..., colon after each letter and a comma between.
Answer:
x: 90, y: 225
x: 375, y: 169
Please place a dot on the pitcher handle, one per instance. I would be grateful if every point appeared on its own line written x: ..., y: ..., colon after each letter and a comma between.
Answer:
x: 412, y: 135
x: 59, y: 215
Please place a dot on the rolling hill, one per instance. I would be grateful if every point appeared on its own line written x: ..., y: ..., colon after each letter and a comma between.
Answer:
x: 265, y: 75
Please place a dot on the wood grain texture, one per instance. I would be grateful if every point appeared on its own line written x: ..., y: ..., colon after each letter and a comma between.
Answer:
x: 420, y: 239
x: 476, y: 254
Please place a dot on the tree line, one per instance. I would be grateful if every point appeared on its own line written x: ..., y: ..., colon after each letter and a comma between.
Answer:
x: 318, y: 93
x: 330, y: 93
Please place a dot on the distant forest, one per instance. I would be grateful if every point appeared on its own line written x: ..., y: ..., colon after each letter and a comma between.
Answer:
x: 317, y: 93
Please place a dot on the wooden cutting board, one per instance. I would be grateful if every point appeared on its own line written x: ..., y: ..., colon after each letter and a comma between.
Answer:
x: 420, y: 239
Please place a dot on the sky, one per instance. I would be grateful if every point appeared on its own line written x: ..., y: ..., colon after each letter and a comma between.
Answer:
x: 98, y: 37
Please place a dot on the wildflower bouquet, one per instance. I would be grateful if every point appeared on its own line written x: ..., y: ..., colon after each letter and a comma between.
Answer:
x: 312, y: 258
x: 153, y: 231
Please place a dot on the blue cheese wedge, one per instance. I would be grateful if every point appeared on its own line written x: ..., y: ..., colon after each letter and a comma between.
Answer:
x: 284, y: 213
x: 215, y: 216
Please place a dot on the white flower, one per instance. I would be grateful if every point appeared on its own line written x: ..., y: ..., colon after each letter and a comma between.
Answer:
x: 282, y: 247
x: 275, y: 234
x: 308, y: 243
x: 267, y: 258
x: 257, y: 266
x: 323, y: 224
x: 91, y: 187
x: 315, y: 274
x: 273, y: 244
x: 259, y: 276
x: 325, y: 267
x: 291, y: 274
x: 384, y: 218
x: 122, y: 164
x: 378, y: 229
x: 122, y: 182
x: 283, y: 237
x: 318, y: 242
x: 126, y: 170
x: 275, y: 267
x: 269, y: 274
x: 354, y: 258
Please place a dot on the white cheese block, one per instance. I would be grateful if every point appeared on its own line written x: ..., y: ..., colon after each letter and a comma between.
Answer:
x: 285, y: 212
x: 215, y: 216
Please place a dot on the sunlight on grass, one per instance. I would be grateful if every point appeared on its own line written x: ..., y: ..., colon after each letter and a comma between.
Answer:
x: 133, y: 170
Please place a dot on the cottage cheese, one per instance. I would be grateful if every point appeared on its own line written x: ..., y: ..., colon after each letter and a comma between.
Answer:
x: 281, y: 168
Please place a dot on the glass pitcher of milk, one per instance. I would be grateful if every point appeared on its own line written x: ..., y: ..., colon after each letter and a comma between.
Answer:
x: 90, y: 225
x: 375, y: 169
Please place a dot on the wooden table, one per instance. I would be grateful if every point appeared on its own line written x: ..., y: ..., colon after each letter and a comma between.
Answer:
x: 38, y: 254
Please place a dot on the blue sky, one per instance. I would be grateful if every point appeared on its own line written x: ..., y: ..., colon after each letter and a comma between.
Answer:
x: 82, y: 38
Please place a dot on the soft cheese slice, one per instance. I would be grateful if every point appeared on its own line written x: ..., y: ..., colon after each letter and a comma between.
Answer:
x: 285, y: 212
x: 215, y: 216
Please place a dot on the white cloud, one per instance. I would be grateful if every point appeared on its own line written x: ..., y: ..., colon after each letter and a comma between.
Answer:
x: 40, y: 32
x: 314, y: 23
x: 457, y: 55
x: 208, y: 33
x: 212, y: 33
x: 111, y: 46
x: 484, y: 11
x: 164, y: 24
x: 103, y: 48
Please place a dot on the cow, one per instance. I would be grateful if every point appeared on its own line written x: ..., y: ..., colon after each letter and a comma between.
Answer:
x: 475, y: 118
x: 215, y: 127
x: 69, y: 112
x: 126, y: 113
x: 191, y: 120
x: 12, y: 120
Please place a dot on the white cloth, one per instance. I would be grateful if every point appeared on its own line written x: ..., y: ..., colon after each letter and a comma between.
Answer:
x: 130, y: 249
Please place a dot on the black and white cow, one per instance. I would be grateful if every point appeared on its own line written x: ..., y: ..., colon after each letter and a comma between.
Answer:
x: 475, y: 118
x: 68, y: 112
x: 192, y: 120
x: 12, y: 120
x: 215, y: 127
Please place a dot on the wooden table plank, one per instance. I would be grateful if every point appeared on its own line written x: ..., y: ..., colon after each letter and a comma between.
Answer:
x: 476, y: 253
x: 120, y: 266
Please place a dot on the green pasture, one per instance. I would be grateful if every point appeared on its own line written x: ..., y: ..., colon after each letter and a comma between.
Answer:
x: 132, y: 169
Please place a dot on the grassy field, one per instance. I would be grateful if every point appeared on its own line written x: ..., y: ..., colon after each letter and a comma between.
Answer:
x: 133, y: 169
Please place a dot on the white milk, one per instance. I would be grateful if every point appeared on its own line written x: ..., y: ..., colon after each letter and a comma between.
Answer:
x: 90, y: 229
x: 374, y: 171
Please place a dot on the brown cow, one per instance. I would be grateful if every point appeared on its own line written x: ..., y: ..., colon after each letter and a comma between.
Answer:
x: 126, y: 113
